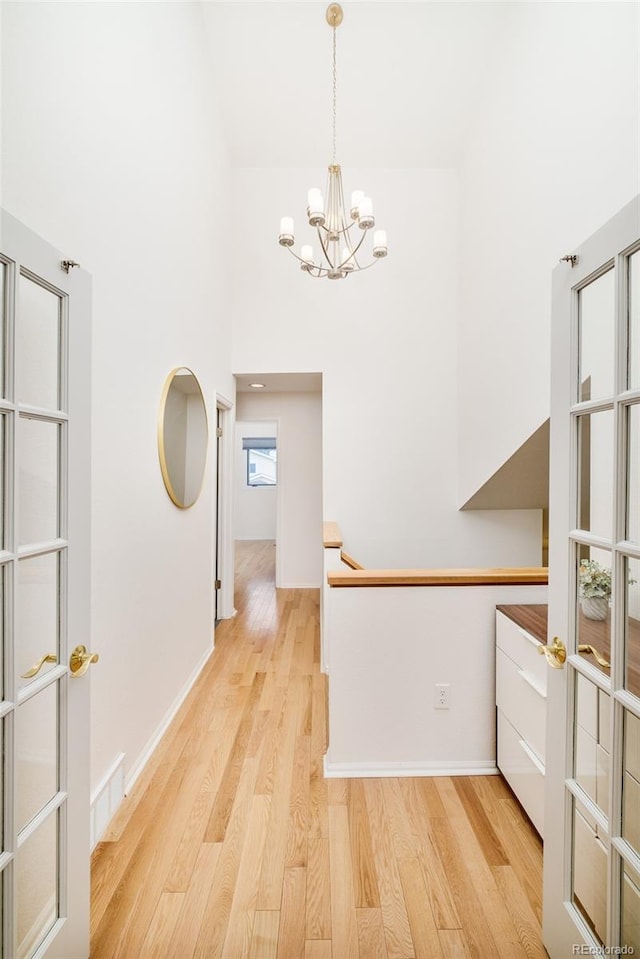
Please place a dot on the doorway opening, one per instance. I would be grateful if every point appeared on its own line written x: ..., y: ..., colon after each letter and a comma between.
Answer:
x: 278, y: 471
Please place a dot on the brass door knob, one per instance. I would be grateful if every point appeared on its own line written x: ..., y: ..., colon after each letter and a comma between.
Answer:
x: 556, y: 654
x: 80, y: 660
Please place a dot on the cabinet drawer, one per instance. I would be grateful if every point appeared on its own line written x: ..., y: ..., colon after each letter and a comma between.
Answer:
x: 522, y: 701
x: 522, y: 770
x: 522, y: 648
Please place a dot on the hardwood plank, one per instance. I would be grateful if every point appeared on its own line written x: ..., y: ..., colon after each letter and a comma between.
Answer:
x: 485, y: 834
x: 318, y: 949
x: 182, y: 943
x: 291, y: 935
x: 298, y: 827
x: 475, y: 924
x: 453, y: 944
x: 524, y: 920
x: 264, y: 939
x: 275, y: 849
x: 488, y: 902
x: 162, y: 925
x: 392, y: 904
x: 240, y: 925
x: 269, y: 760
x: 431, y: 800
x: 218, y: 906
x: 219, y: 818
x: 344, y: 930
x: 338, y: 790
x: 318, y: 890
x: 371, y: 939
x: 517, y: 835
x: 364, y: 870
x: 404, y: 843
x: 424, y: 934
x: 438, y: 887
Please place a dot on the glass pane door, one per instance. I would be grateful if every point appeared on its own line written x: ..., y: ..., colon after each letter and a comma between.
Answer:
x: 592, y: 783
x: 45, y: 587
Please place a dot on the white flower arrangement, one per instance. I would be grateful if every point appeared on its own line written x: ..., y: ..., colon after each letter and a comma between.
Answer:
x: 595, y: 580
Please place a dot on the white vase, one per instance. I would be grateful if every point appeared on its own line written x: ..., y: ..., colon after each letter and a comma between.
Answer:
x: 595, y: 607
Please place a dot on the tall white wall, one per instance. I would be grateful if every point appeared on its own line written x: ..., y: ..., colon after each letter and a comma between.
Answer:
x: 112, y: 152
x: 299, y: 555
x: 254, y: 507
x: 554, y: 153
x: 386, y: 342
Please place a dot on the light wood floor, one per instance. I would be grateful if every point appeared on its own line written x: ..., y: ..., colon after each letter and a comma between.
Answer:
x: 233, y: 845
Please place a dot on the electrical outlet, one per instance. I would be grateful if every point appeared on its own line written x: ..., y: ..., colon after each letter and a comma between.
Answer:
x: 443, y: 696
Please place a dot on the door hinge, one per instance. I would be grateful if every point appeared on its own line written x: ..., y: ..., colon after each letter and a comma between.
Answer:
x: 67, y: 265
x: 569, y: 258
x: 218, y: 431
x: 217, y: 584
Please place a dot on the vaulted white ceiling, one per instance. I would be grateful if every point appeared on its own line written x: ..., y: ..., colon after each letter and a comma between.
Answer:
x: 410, y: 75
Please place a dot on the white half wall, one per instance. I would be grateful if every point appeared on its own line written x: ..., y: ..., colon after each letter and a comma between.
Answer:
x: 299, y: 554
x: 112, y: 152
x: 390, y: 646
x: 255, y: 507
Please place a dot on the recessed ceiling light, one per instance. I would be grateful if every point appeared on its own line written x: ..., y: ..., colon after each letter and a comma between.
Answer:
x: 256, y: 386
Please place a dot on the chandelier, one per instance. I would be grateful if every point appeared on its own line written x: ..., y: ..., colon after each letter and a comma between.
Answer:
x: 340, y: 235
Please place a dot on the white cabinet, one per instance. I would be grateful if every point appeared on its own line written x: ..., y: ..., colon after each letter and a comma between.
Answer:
x: 521, y: 695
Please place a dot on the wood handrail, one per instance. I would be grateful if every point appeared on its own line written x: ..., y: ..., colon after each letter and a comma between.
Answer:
x: 331, y: 535
x: 519, y: 576
x: 349, y: 560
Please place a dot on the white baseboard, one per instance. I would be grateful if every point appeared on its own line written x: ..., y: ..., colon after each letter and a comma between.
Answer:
x: 149, y: 749
x: 375, y: 770
x: 299, y: 586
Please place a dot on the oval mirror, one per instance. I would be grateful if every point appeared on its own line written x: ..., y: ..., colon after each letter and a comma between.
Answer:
x: 183, y: 434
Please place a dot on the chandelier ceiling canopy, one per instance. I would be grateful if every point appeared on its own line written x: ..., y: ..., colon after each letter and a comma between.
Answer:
x: 340, y: 234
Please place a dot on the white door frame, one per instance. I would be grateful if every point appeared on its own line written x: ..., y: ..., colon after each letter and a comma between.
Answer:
x: 225, y: 599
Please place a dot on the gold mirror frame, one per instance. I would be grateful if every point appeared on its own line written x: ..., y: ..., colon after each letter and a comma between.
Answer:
x: 183, y: 437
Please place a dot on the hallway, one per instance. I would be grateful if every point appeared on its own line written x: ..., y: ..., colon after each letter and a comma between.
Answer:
x: 233, y: 845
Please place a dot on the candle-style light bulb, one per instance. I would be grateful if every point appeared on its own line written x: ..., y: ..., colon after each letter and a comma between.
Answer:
x: 366, y: 219
x: 306, y: 255
x: 286, y: 237
x: 315, y: 209
x: 380, y: 243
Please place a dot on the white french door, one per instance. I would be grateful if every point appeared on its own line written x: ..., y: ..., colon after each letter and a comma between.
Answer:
x: 592, y: 782
x: 45, y: 380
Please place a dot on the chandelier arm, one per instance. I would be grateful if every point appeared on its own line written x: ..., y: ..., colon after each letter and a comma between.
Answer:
x: 361, y: 269
x: 361, y: 241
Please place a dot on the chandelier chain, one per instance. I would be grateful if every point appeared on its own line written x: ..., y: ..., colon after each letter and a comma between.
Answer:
x: 334, y: 95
